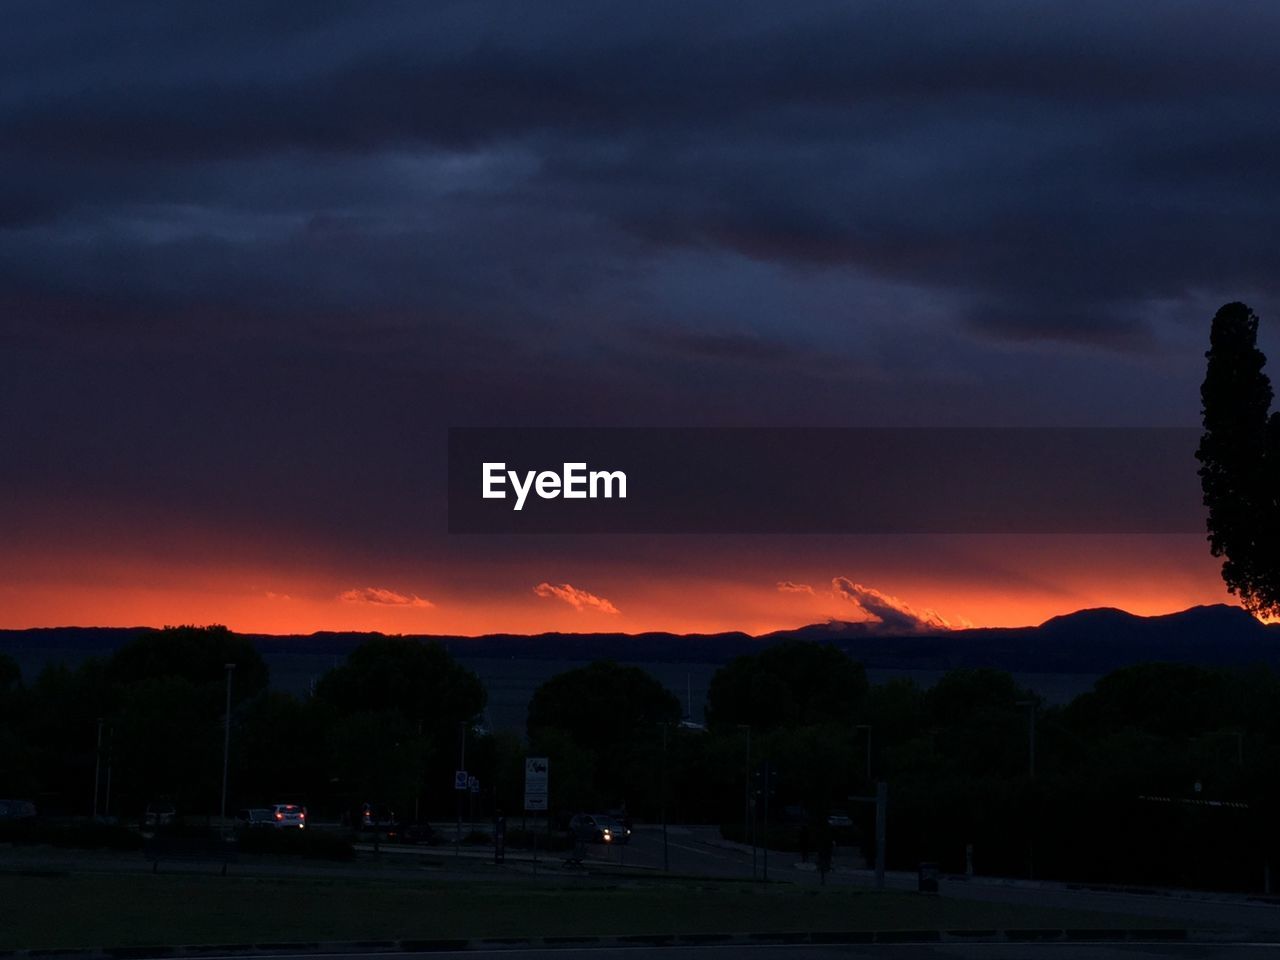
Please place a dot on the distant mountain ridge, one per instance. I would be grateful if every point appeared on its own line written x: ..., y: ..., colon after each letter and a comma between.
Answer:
x: 1086, y: 641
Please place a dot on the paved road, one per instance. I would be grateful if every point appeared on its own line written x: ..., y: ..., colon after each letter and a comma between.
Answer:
x: 905, y: 951
x: 699, y: 851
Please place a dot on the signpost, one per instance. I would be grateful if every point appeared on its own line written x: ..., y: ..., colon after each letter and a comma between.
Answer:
x: 460, y: 782
x: 535, y: 784
x: 535, y: 794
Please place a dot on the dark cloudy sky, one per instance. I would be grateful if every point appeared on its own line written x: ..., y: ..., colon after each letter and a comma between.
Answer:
x: 255, y: 258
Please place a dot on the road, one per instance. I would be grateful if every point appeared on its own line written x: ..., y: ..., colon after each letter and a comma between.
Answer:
x: 700, y: 851
x: 903, y: 951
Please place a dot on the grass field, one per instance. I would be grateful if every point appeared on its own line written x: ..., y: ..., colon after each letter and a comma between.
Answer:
x: 89, y: 910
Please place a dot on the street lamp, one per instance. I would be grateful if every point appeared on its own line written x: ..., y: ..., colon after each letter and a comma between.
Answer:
x: 747, y: 832
x: 97, y: 769
x: 867, y: 727
x: 1030, y: 706
x: 666, y: 856
x: 226, y: 746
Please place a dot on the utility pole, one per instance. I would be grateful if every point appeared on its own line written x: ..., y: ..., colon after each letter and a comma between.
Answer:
x: 1031, y: 735
x: 867, y: 727
x: 882, y: 805
x: 765, y: 845
x: 462, y: 765
x: 106, y: 798
x: 747, y: 833
x: 226, y: 747
x: 97, y: 769
x: 666, y: 856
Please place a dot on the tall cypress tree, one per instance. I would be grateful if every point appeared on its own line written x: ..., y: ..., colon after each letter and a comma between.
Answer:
x: 1239, y: 458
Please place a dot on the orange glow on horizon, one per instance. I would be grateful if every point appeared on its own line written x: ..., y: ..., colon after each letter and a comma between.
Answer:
x: 124, y: 591
x: 63, y: 566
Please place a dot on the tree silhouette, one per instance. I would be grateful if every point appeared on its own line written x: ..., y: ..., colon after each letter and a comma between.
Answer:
x: 601, y: 727
x: 198, y: 655
x: 602, y: 706
x: 793, y: 683
x: 1239, y: 458
x: 421, y: 683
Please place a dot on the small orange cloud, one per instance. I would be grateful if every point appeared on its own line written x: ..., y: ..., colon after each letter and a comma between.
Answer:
x: 383, y: 597
x: 578, y: 599
x: 786, y: 586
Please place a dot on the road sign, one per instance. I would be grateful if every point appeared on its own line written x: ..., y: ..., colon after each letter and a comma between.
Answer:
x: 460, y: 780
x: 535, y: 783
x: 473, y: 784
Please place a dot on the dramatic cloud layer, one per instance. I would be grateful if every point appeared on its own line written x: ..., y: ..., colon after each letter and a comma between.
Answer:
x: 578, y: 599
x: 255, y: 258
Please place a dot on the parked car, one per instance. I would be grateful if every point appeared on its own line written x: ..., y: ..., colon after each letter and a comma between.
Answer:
x: 621, y: 816
x: 286, y: 815
x: 159, y: 813
x: 370, y: 816
x: 598, y: 828
x: 17, y: 810
x: 255, y: 818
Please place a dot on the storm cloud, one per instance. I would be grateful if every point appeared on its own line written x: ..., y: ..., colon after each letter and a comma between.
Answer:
x: 291, y: 244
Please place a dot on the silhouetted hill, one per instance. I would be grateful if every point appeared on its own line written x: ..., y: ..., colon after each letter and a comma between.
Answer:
x: 1087, y: 641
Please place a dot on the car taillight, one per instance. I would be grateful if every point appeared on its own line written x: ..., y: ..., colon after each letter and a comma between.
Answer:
x: 279, y: 816
x: 302, y: 816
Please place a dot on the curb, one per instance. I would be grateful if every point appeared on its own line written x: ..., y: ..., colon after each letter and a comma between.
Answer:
x: 816, y: 937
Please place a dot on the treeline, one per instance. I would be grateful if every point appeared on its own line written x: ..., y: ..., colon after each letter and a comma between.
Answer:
x: 1163, y: 774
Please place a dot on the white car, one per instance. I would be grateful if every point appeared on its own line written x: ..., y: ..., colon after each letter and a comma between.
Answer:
x: 289, y: 815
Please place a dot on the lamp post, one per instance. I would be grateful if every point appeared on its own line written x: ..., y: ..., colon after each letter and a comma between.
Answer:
x: 747, y: 832
x: 666, y: 856
x: 1030, y: 706
x: 226, y: 747
x: 867, y: 727
x: 97, y: 769
x: 462, y: 766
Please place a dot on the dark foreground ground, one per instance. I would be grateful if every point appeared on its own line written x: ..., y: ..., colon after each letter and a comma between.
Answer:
x: 105, y: 909
x: 64, y: 899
